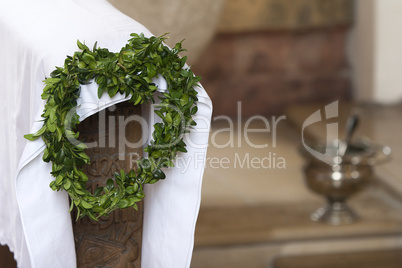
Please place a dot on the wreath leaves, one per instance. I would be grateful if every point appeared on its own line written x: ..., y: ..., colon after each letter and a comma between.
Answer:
x: 128, y: 72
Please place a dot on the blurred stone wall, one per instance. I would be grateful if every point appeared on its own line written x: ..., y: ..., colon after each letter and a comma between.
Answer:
x: 270, y: 54
x: 251, y: 15
x: 193, y: 20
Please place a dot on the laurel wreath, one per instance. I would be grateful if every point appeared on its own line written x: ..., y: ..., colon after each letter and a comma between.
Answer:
x: 128, y: 72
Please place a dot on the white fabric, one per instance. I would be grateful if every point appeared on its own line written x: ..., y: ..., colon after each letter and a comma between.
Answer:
x: 36, y: 36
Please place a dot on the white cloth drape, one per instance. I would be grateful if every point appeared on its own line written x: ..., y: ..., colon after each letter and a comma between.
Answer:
x: 36, y: 36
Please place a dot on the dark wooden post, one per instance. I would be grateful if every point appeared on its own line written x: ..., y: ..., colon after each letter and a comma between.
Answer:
x: 113, y: 241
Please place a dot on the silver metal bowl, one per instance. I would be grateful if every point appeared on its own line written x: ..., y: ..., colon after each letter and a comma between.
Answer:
x: 337, y: 177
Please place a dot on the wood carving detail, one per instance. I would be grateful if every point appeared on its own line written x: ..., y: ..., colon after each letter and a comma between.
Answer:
x: 115, y: 240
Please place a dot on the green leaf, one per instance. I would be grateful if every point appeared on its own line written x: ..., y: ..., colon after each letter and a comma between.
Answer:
x: 88, y: 58
x: 130, y: 190
x: 159, y: 174
x: 98, y: 209
x: 138, y: 100
x: 135, y: 187
x: 78, y: 213
x: 41, y: 131
x: 168, y: 118
x: 122, y: 175
x: 153, y: 181
x: 177, y: 120
x: 45, y: 95
x: 194, y: 110
x: 177, y: 93
x: 101, y: 89
x: 71, y: 207
x: 182, y: 149
x: 113, y: 91
x: 159, y: 113
x: 156, y: 154
x: 59, y: 179
x: 46, y: 155
x: 109, y: 184
x: 114, y: 79
x: 81, y: 45
x: 59, y: 134
x: 82, y: 65
x: 98, y: 191
x: 52, y: 115
x: 51, y: 81
x: 140, y: 195
x: 53, y: 186
x: 60, y: 156
x: 81, y: 146
x: 183, y: 61
x: 85, y: 204
x: 91, y: 215
x: 67, y: 184
x: 169, y: 163
x: 78, y: 191
x: 77, y: 185
x: 82, y: 175
x: 184, y: 99
x: 31, y: 137
x: 123, y: 203
x: 185, y: 73
x: 51, y: 126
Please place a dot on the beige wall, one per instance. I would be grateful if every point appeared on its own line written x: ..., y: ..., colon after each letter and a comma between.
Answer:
x: 376, y: 51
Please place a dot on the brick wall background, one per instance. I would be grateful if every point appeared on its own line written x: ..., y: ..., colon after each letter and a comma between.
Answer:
x: 276, y: 59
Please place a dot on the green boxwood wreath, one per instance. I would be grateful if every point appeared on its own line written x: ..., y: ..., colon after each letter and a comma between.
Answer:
x: 129, y: 72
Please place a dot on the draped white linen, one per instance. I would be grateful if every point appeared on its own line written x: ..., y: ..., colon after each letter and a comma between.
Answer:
x: 36, y: 36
